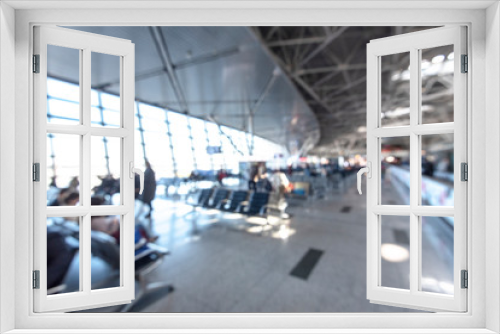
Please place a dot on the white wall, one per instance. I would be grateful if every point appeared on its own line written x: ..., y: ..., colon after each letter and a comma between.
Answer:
x: 7, y: 158
x: 492, y: 151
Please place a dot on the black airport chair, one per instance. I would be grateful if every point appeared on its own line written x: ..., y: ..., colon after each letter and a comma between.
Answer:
x: 255, y: 206
x: 234, y: 201
x: 220, y: 195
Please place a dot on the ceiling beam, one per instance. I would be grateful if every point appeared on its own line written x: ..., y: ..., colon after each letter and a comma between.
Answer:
x: 162, y: 49
x: 297, y: 41
x: 336, y: 68
x: 281, y: 64
x: 329, y: 39
x: 265, y: 91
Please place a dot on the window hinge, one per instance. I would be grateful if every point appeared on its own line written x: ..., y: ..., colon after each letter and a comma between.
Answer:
x: 465, y: 64
x: 36, y: 63
x: 36, y: 279
x: 36, y: 172
x: 465, y: 279
x: 464, y: 171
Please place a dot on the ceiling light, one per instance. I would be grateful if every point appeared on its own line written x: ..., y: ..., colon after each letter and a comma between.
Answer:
x: 425, y: 64
x: 394, y: 253
x: 438, y: 59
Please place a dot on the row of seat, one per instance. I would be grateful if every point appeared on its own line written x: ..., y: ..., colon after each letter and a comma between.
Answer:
x: 234, y: 201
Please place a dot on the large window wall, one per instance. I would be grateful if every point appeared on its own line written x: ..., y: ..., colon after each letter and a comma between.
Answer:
x: 174, y: 144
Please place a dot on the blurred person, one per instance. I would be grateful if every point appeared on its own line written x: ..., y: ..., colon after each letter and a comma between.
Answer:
x: 59, y: 200
x: 149, y: 192
x: 254, y: 177
x: 264, y: 185
x: 280, y: 186
x: 221, y: 175
x: 53, y: 182
x: 71, y: 199
x: 59, y: 256
x: 427, y: 167
x: 443, y: 165
x: 307, y: 170
x: 106, y: 224
x: 73, y: 184
x: 140, y: 224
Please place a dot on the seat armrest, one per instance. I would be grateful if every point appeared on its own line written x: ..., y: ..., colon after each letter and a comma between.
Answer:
x: 222, y: 204
x: 141, y: 243
x: 241, y: 206
x: 159, y: 249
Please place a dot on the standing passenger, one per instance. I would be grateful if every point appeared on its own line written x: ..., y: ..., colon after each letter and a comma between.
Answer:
x: 149, y: 192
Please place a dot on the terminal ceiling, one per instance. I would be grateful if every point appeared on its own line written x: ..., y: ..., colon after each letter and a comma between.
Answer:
x: 301, y: 87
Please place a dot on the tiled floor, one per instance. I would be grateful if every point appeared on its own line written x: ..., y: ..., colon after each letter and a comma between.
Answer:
x: 217, y: 265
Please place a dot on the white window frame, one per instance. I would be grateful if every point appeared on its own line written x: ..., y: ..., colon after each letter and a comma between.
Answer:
x: 483, y: 308
x: 86, y: 44
x: 413, y: 43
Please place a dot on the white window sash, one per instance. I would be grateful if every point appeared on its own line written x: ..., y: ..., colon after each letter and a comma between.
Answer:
x: 86, y: 297
x: 414, y: 297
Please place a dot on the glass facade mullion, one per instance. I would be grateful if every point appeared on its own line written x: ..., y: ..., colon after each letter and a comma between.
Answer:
x: 212, y: 166
x: 141, y: 131
x: 171, y: 146
x: 195, y: 165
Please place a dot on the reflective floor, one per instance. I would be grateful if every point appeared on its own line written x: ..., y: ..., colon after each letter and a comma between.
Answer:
x: 314, y: 263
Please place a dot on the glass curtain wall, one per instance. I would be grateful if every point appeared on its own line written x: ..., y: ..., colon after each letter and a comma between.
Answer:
x: 174, y: 144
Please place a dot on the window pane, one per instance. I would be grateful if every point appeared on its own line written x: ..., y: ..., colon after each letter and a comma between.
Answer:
x: 152, y: 112
x: 213, y: 134
x: 63, y: 259
x: 395, y: 86
x: 395, y: 171
x: 395, y: 251
x: 437, y: 170
x: 159, y: 154
x: 65, y: 113
x: 62, y: 112
x: 138, y: 150
x: 106, y: 75
x: 437, y: 70
x: 105, y: 248
x: 153, y: 125
x: 437, y: 254
x: 63, y: 169
x: 105, y: 168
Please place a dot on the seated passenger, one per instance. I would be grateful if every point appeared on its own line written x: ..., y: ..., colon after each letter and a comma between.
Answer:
x: 111, y: 224
x: 59, y: 200
x: 59, y: 256
x: 106, y: 224
x: 71, y: 199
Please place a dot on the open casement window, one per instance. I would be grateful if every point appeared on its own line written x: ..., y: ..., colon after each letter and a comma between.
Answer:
x: 63, y: 235
x: 417, y: 101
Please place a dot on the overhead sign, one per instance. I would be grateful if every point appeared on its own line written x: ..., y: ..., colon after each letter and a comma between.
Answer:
x: 214, y: 149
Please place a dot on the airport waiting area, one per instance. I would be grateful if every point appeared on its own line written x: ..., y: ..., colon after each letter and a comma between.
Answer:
x: 250, y: 200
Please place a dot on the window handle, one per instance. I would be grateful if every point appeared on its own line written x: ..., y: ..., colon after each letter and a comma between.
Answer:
x: 368, y: 171
x: 133, y: 171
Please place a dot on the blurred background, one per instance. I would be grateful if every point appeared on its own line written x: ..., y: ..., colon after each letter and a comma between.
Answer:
x: 250, y: 138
